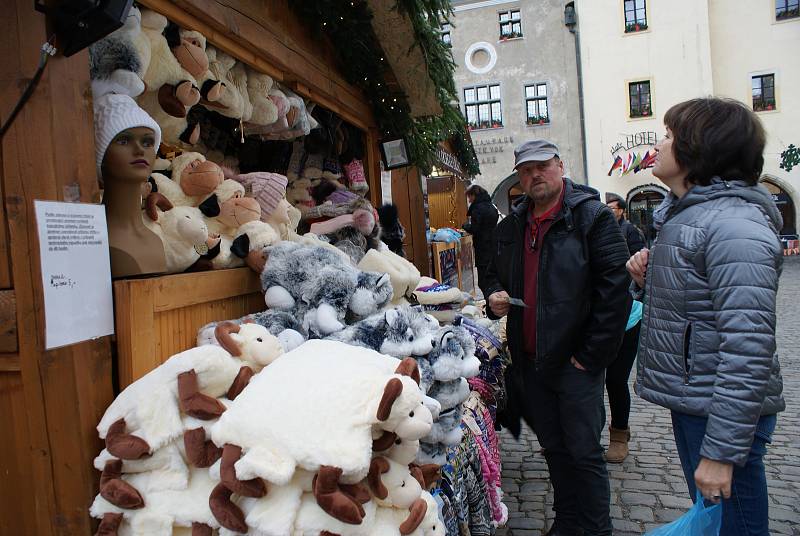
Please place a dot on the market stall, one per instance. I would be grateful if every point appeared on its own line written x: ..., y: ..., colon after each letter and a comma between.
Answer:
x: 267, y: 49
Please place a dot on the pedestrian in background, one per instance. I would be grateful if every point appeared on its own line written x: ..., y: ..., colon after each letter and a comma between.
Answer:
x: 482, y: 219
x: 618, y: 372
x: 707, y: 348
x: 561, y: 257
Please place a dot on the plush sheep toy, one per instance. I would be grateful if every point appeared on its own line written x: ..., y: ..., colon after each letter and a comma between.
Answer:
x: 182, y: 230
x: 353, y: 390
x: 193, y: 179
x: 250, y: 241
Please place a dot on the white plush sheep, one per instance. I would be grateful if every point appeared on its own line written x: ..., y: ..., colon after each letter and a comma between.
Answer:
x: 192, y: 179
x: 347, y: 391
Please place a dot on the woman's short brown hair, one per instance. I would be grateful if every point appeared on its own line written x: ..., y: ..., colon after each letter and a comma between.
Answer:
x: 714, y: 137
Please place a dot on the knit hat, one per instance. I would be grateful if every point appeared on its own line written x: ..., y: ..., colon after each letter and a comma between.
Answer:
x: 113, y: 114
x: 267, y: 188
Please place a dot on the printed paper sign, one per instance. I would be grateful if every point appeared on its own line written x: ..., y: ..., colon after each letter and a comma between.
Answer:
x: 76, y: 272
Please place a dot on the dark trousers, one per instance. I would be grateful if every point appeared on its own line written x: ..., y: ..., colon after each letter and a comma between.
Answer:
x: 619, y: 396
x: 482, y: 268
x: 565, y: 409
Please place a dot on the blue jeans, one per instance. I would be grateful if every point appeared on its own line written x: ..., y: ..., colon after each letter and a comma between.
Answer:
x: 746, y: 513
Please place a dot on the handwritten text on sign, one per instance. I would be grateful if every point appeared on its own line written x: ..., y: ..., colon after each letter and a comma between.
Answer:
x: 76, y: 272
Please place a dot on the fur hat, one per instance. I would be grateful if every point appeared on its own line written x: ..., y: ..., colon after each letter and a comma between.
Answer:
x: 267, y: 188
x: 113, y: 114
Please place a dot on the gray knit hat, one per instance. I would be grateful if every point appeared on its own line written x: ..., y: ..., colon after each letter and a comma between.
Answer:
x: 114, y: 113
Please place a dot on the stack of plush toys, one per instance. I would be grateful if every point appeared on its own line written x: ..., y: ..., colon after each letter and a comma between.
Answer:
x: 304, y: 419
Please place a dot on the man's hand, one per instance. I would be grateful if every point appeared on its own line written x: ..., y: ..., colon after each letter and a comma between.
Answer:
x: 576, y: 364
x: 637, y: 266
x: 498, y: 302
x: 713, y: 479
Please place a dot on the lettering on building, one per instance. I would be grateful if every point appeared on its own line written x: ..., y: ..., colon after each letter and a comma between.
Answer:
x: 647, y: 137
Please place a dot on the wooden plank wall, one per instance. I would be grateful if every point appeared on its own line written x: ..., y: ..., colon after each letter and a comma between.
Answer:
x: 447, y: 203
x: 159, y: 317
x: 407, y: 196
x: 50, y: 401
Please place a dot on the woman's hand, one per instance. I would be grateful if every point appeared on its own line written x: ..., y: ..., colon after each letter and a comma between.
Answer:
x: 713, y: 479
x: 498, y: 303
x: 637, y: 266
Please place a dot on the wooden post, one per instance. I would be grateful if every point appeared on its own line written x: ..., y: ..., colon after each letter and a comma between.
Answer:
x: 52, y: 403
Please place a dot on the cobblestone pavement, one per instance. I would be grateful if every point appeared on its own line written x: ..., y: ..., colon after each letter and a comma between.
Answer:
x: 649, y: 489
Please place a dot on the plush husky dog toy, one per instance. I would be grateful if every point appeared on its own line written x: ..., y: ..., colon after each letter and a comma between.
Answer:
x: 320, y: 287
x: 399, y: 332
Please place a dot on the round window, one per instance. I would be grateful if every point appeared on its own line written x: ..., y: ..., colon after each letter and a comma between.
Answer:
x: 480, y: 57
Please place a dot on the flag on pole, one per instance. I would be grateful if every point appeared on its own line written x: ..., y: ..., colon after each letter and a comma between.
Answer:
x: 617, y: 163
x: 626, y: 167
x: 648, y: 161
x: 637, y: 159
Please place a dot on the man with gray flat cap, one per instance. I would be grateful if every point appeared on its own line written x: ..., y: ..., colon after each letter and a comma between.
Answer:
x: 558, y: 272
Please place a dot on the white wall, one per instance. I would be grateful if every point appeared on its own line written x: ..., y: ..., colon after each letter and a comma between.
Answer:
x: 673, y: 53
x: 746, y: 40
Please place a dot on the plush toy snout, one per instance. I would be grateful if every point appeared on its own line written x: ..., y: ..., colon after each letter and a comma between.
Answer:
x: 192, y: 229
x: 191, y: 56
x: 201, y: 178
x: 237, y: 211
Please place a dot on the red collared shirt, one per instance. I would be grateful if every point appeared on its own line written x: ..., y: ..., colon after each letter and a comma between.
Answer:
x: 535, y: 232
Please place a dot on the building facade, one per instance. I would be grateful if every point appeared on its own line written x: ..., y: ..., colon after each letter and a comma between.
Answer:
x: 639, y: 57
x: 517, y: 79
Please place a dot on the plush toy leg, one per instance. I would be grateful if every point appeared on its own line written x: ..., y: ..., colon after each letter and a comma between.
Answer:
x: 109, y: 525
x: 195, y: 403
x: 241, y: 381
x: 211, y: 90
x: 255, y: 487
x: 200, y: 451
x: 187, y: 93
x: 333, y: 500
x: 117, y: 491
x: 125, y: 446
x: 358, y: 492
x: 225, y: 511
x: 201, y: 529
x: 415, y: 517
x: 278, y: 297
x: 324, y: 319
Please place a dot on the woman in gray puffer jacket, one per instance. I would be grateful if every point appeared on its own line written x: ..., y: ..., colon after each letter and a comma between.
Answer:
x: 707, y: 345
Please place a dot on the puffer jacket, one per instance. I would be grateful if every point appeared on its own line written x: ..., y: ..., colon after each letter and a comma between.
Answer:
x: 707, y: 344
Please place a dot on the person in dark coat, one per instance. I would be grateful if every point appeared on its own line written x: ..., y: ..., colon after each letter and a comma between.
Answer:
x: 482, y: 220
x: 619, y: 396
x: 392, y: 232
x: 558, y: 272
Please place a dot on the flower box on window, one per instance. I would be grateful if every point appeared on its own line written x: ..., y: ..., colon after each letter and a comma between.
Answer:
x: 635, y: 27
x: 788, y: 14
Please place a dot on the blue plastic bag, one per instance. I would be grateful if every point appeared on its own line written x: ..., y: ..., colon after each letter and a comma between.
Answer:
x: 699, y: 521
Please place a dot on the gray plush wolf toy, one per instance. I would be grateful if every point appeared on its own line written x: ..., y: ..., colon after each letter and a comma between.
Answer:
x: 399, y: 332
x: 319, y: 287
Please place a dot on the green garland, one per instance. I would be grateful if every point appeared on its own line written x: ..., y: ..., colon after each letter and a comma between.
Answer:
x: 348, y: 25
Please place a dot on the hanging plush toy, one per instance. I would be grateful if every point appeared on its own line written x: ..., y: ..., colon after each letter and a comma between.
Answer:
x: 193, y: 180
x: 115, y: 63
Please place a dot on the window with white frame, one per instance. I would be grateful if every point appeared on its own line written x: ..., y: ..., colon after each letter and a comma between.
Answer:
x: 482, y: 106
x: 537, y: 109
x: 763, y: 92
x: 635, y: 16
x: 639, y: 99
x: 510, y: 24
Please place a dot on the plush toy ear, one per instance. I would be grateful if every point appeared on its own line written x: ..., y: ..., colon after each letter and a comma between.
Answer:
x: 458, y: 320
x: 156, y: 200
x: 431, y: 473
x: 166, y: 172
x: 446, y: 338
x: 377, y: 467
x: 241, y: 246
x: 383, y: 281
x: 390, y: 393
x: 223, y: 334
x: 172, y: 35
x: 391, y: 316
x: 384, y: 442
x: 210, y: 207
x: 414, y: 519
x: 408, y: 367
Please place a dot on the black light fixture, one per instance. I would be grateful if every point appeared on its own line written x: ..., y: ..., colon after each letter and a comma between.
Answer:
x: 395, y: 154
x: 79, y: 23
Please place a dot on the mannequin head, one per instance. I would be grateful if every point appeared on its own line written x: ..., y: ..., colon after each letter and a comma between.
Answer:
x: 113, y: 116
x: 130, y: 155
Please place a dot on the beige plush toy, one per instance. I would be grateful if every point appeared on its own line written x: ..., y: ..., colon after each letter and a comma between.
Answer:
x: 164, y: 69
x: 193, y: 180
x: 258, y: 87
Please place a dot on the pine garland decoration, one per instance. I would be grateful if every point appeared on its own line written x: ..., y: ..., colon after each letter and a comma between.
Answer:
x: 348, y: 24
